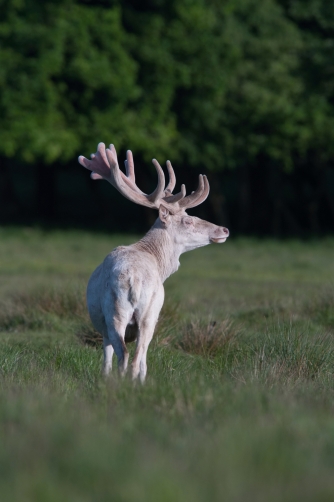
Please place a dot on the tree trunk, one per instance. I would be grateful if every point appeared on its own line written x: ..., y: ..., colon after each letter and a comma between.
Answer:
x: 217, y: 201
x: 45, y: 192
x: 244, y: 197
x: 275, y: 193
x: 9, y: 201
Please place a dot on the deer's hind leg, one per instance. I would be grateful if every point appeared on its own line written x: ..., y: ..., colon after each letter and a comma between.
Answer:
x: 146, y: 327
x: 108, y: 352
x: 145, y: 335
x: 115, y: 340
x: 116, y: 319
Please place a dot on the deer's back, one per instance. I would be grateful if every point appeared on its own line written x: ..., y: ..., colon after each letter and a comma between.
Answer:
x: 126, y: 276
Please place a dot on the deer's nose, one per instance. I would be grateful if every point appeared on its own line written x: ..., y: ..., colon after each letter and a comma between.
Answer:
x: 226, y: 231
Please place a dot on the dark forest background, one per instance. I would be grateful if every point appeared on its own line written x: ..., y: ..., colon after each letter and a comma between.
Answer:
x: 240, y: 90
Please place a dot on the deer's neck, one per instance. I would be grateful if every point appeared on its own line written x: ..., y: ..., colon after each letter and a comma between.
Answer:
x: 159, y: 244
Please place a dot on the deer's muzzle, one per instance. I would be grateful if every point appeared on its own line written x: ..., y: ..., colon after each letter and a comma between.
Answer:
x: 220, y: 235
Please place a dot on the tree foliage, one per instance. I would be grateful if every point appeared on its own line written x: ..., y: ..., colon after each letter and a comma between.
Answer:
x: 220, y: 85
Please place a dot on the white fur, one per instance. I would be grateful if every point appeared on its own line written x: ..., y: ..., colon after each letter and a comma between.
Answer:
x: 126, y: 290
x: 125, y: 293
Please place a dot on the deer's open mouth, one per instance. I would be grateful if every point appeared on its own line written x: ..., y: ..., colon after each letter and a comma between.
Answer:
x: 218, y: 240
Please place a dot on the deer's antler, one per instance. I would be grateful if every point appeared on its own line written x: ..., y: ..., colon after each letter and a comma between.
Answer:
x: 104, y: 165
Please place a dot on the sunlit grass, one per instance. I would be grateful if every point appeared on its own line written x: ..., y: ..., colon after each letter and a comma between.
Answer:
x: 239, y: 399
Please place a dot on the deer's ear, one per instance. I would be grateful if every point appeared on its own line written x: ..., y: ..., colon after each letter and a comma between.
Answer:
x: 164, y: 216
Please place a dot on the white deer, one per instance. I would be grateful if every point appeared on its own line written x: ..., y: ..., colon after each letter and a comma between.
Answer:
x: 125, y: 293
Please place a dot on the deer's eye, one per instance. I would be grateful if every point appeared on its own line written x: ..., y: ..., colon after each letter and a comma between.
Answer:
x: 187, y: 221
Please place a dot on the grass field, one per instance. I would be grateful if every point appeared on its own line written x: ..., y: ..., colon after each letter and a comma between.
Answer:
x: 238, y: 404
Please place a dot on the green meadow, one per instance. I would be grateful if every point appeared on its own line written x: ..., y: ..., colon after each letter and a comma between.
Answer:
x: 239, y: 400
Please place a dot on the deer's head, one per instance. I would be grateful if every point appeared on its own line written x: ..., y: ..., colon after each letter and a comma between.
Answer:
x: 186, y: 231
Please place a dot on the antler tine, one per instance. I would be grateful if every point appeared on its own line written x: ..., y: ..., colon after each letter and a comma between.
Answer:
x: 194, y: 195
x: 204, y: 195
x: 93, y: 175
x: 130, y: 167
x: 159, y: 192
x: 198, y: 196
x: 104, y: 164
x: 99, y: 164
x: 172, y: 179
x: 123, y: 184
x: 129, y: 179
x: 171, y: 199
